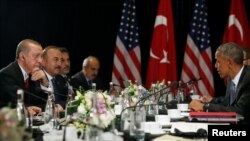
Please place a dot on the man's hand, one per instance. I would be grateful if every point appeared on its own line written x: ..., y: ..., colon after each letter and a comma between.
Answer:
x: 33, y: 110
x: 58, y: 108
x: 206, y: 99
x: 39, y: 74
x: 196, y: 105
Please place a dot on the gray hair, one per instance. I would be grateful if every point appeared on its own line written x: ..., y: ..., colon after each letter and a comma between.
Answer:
x: 87, y: 60
x: 23, y: 46
x: 232, y: 51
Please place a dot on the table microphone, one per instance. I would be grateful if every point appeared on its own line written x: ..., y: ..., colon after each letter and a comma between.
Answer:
x: 200, y: 133
x: 32, y: 94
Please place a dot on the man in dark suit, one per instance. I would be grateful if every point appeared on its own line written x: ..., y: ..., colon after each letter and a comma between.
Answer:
x: 16, y: 75
x: 229, y: 64
x: 62, y: 81
x: 88, y: 75
x: 51, y: 63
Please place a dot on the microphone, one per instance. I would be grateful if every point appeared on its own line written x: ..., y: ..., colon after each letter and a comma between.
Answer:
x: 200, y: 133
x: 46, y: 91
x: 169, y: 86
x: 151, y: 94
x: 170, y: 103
x: 193, y: 80
x: 38, y: 97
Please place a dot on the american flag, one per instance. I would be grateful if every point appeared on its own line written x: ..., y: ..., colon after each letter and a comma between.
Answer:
x: 127, y: 57
x: 197, y: 58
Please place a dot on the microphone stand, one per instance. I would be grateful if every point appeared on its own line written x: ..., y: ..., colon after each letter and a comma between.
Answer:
x: 146, y: 97
x: 38, y: 97
x: 168, y: 90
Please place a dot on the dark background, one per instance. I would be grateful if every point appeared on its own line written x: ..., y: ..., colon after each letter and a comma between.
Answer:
x: 89, y: 27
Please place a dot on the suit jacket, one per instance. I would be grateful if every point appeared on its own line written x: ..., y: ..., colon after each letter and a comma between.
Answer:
x: 79, y: 79
x: 242, y: 102
x: 11, y: 80
x: 61, y: 90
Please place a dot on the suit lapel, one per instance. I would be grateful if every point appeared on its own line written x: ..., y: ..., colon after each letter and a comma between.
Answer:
x: 240, y: 83
x: 19, y: 75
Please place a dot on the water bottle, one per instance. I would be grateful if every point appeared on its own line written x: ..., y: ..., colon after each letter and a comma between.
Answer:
x: 162, y: 97
x: 21, y: 110
x: 111, y: 91
x: 169, y: 91
x: 49, y: 109
x: 180, y: 93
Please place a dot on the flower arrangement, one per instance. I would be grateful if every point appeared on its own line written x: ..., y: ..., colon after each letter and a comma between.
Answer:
x: 132, y: 93
x: 83, y: 108
x: 10, y: 127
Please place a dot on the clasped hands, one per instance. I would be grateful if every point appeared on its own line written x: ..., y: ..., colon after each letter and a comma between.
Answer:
x: 197, y: 105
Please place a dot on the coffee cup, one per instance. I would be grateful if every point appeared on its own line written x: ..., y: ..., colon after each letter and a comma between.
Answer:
x: 152, y: 126
x: 182, y: 107
x: 173, y: 113
x: 162, y: 119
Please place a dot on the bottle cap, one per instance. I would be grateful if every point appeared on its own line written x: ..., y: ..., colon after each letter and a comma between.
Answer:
x: 19, y: 91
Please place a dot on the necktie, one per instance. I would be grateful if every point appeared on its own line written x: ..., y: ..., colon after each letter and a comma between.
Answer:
x: 90, y: 83
x: 27, y: 84
x: 55, y: 87
x: 232, y: 93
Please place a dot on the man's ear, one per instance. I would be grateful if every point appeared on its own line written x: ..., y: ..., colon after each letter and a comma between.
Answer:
x: 230, y: 61
x: 21, y: 56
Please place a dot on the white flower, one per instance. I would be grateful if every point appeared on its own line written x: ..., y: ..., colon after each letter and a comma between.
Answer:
x: 81, y: 109
x: 132, y: 93
x: 104, y: 113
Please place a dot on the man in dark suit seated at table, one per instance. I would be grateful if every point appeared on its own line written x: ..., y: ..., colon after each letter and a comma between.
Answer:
x: 16, y: 76
x: 229, y: 64
x: 62, y: 80
x: 51, y: 65
x: 88, y: 75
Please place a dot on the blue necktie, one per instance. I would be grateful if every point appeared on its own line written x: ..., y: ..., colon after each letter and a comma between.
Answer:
x: 90, y: 83
x: 55, y: 87
x: 232, y: 92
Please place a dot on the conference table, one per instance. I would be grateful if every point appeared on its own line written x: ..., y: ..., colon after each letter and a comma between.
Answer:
x: 45, y: 132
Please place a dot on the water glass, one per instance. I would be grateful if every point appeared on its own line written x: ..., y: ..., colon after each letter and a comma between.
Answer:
x: 137, y: 118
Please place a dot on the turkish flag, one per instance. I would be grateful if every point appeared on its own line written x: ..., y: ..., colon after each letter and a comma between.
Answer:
x: 162, y: 61
x: 237, y: 29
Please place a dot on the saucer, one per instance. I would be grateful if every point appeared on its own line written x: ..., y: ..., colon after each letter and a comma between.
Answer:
x: 188, y: 110
x: 166, y: 125
x: 158, y: 132
x: 177, y: 117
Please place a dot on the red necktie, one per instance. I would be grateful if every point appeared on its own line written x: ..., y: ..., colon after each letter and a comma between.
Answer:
x: 27, y: 84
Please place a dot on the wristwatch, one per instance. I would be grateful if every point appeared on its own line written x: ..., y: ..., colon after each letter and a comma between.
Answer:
x: 206, y: 106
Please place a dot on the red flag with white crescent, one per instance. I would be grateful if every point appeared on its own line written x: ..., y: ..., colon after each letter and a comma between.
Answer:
x: 162, y: 61
x: 237, y: 29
